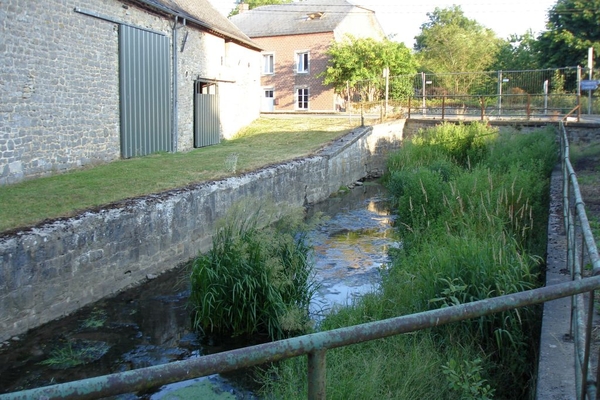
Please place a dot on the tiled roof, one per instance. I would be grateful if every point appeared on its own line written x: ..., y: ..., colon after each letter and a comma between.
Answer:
x: 203, y: 13
x: 310, y: 16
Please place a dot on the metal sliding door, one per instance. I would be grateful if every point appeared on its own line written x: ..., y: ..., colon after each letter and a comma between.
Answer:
x: 144, y: 67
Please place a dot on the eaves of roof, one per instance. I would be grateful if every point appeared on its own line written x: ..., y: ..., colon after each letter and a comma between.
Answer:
x: 204, y: 15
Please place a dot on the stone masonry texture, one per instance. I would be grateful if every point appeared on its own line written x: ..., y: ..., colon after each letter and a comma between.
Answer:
x: 59, y: 86
x: 52, y: 270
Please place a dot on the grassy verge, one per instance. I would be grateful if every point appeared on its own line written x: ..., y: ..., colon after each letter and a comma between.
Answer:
x: 267, y: 141
x: 472, y: 214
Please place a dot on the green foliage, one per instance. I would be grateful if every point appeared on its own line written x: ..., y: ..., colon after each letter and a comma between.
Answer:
x: 256, y: 279
x: 467, y: 237
x: 572, y: 29
x: 266, y: 141
x: 464, y: 379
x: 73, y: 353
x: 353, y: 60
x: 474, y: 234
x: 450, y: 42
x: 257, y: 3
x: 517, y: 53
x: 400, y: 367
x: 96, y: 319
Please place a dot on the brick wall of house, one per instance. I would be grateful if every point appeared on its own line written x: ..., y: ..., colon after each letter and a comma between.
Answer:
x: 285, y: 81
x: 59, y: 86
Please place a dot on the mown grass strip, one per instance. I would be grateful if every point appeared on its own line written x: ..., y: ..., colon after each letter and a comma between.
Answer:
x: 267, y: 141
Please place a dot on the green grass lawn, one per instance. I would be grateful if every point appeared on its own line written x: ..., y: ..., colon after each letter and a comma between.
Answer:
x: 267, y: 141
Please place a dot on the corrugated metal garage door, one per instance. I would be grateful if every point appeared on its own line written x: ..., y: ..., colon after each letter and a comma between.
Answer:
x: 207, y: 122
x: 145, y: 92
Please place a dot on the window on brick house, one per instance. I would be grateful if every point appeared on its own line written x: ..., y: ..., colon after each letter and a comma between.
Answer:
x: 302, y: 98
x: 268, y: 64
x: 302, y: 62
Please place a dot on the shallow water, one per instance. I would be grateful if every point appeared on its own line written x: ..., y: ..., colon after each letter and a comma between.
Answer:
x: 150, y: 325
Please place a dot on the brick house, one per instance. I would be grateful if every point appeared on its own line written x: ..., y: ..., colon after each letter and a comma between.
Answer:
x: 91, y: 81
x: 295, y: 38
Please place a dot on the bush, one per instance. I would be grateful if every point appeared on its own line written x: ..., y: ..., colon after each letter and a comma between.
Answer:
x: 254, y: 280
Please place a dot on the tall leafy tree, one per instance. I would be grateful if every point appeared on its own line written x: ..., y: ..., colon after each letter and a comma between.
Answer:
x: 518, y: 52
x: 357, y: 64
x: 257, y: 3
x: 450, y: 42
x: 573, y: 26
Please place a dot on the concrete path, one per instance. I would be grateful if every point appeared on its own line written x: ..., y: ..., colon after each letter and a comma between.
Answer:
x: 556, y: 373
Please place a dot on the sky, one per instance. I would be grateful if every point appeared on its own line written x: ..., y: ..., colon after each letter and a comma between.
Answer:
x: 404, y: 18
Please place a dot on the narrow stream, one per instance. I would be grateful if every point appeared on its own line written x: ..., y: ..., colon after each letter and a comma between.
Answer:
x: 150, y: 325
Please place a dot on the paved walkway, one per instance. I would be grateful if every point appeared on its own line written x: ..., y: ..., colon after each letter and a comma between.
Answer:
x: 556, y: 375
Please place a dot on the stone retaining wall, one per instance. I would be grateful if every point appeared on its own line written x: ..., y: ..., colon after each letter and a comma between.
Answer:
x: 53, y: 269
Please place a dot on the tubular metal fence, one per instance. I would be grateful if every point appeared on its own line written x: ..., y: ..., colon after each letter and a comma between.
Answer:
x: 533, y: 94
x: 581, y: 251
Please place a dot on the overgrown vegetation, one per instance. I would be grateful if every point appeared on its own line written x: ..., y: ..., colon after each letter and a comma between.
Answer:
x: 472, y: 213
x: 258, y: 277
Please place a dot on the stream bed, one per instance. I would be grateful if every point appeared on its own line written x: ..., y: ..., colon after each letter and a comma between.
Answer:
x: 151, y: 325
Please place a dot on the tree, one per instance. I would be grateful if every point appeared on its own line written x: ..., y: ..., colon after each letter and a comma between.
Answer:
x: 451, y: 43
x: 357, y: 64
x: 573, y: 27
x: 517, y: 53
x: 257, y: 3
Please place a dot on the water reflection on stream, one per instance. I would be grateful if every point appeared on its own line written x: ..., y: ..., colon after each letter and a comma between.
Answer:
x: 150, y: 325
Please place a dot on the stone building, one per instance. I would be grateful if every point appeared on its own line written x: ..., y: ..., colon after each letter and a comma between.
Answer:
x: 87, y: 82
x: 295, y: 38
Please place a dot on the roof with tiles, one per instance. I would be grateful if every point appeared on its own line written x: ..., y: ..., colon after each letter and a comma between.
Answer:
x: 310, y: 16
x: 203, y: 13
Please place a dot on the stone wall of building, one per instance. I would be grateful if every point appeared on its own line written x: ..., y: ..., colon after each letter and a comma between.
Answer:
x: 52, y: 270
x: 59, y: 87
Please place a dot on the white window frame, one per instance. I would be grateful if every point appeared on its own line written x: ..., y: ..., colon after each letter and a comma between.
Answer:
x: 303, y: 104
x: 265, y: 57
x: 302, y: 64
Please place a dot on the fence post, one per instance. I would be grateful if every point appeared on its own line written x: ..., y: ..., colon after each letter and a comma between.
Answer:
x: 443, y: 106
x: 482, y: 101
x: 316, y: 375
x: 500, y: 92
x: 362, y: 115
x: 528, y: 106
x: 424, y: 110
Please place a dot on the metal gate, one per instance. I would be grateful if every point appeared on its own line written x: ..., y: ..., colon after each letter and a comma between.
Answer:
x: 207, y: 122
x: 144, y: 76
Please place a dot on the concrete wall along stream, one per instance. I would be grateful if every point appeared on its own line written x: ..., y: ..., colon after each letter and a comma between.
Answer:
x: 53, y: 269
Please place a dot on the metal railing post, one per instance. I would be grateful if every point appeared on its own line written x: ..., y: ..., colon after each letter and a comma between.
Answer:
x: 317, y: 375
x: 443, y: 106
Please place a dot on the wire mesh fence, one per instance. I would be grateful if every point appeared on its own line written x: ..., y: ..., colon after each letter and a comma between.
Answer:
x: 547, y: 93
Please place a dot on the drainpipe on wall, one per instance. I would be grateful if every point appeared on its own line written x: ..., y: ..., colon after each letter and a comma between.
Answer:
x: 174, y: 124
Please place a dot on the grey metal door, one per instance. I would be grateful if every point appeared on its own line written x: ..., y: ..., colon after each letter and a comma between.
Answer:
x: 144, y: 75
x: 207, y: 123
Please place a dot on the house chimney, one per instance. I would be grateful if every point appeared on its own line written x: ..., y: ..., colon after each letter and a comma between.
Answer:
x: 243, y: 7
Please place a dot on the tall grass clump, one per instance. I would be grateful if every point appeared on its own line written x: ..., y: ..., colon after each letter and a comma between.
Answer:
x: 257, y: 279
x: 471, y: 206
x: 475, y: 233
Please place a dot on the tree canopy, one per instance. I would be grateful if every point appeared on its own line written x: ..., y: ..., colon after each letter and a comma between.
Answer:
x: 257, y: 3
x: 573, y: 27
x: 356, y: 60
x: 517, y: 53
x: 451, y: 42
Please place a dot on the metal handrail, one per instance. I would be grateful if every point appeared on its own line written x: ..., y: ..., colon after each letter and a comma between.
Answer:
x: 315, y: 345
x: 577, y: 229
